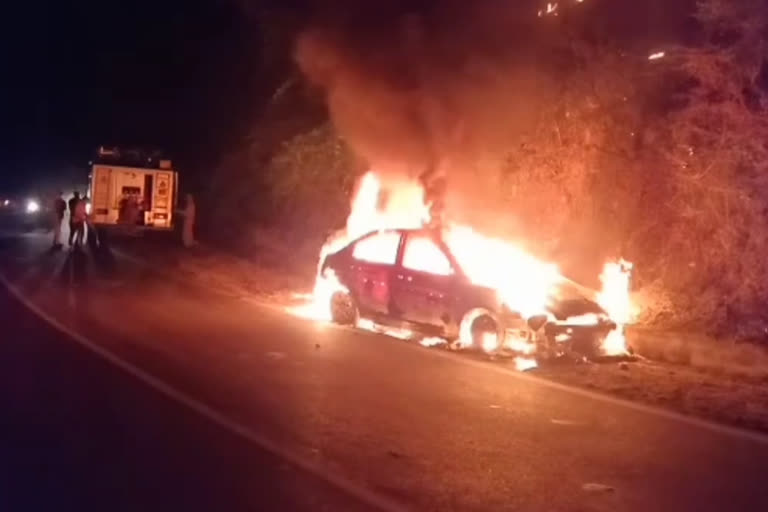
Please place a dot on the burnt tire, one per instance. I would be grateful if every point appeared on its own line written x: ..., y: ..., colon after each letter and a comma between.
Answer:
x: 588, y: 345
x: 481, y: 327
x: 343, y: 309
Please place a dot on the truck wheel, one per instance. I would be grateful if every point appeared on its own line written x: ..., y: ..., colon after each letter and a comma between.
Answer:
x: 343, y: 309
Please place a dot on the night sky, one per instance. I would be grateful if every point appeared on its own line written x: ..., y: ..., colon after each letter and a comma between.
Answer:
x: 177, y: 75
x: 183, y: 76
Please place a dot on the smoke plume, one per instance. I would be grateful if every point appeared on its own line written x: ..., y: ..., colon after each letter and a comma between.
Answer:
x: 434, y: 90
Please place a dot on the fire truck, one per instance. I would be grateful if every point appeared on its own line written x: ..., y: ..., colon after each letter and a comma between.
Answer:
x: 132, y: 188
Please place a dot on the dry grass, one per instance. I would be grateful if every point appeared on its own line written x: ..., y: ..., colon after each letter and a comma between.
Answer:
x: 719, y: 357
x: 736, y: 400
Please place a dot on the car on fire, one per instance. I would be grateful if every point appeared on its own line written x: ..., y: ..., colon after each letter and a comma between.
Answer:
x: 410, y: 278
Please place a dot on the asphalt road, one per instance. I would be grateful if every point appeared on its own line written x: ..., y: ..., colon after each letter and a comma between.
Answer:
x: 77, y: 434
x: 360, y: 413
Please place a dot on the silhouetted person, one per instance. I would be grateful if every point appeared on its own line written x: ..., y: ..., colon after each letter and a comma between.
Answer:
x: 72, y: 206
x: 59, y: 209
x: 80, y: 216
x: 188, y: 227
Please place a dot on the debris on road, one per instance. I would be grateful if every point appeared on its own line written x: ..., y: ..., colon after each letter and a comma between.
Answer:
x: 597, y: 488
x: 565, y: 422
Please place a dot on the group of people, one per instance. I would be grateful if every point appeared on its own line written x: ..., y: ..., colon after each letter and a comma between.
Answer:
x: 78, y: 217
x: 78, y: 220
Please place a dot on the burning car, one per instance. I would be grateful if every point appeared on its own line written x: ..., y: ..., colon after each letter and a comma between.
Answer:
x: 416, y: 279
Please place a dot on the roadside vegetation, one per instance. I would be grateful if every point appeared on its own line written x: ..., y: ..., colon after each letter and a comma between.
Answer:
x: 605, y: 152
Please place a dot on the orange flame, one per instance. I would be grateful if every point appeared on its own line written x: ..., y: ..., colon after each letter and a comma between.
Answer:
x: 614, y: 299
x: 522, y: 282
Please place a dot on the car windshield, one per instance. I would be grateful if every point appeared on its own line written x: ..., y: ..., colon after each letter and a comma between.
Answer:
x: 424, y: 255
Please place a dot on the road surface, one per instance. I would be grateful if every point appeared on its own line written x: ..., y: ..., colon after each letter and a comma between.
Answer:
x: 220, y: 402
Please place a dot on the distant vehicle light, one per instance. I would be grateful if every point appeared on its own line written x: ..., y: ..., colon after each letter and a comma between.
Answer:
x: 6, y: 202
x: 33, y: 206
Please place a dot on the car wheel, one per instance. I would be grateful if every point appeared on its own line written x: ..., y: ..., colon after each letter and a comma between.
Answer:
x: 589, y: 346
x: 343, y: 309
x: 480, y: 329
x: 485, y: 333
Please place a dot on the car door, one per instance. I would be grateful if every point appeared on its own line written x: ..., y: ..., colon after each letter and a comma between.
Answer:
x: 372, y: 264
x: 422, y: 281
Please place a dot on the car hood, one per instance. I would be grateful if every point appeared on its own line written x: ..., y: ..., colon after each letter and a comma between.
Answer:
x: 570, y: 299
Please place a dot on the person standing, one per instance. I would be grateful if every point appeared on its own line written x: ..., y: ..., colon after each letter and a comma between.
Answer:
x: 59, y: 209
x: 188, y: 228
x: 72, y: 206
x: 80, y: 216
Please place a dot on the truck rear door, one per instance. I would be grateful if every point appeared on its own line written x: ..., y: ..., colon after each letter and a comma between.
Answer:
x: 101, y: 181
x: 162, y: 198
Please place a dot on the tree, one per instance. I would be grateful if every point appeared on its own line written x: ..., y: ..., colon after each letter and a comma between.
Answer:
x: 714, y: 141
x: 310, y: 181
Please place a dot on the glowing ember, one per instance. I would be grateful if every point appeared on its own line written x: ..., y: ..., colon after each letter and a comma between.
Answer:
x: 588, y: 319
x: 520, y: 345
x: 523, y: 364
x: 614, y: 299
x: 319, y: 308
x: 432, y: 342
x: 366, y: 324
x: 490, y: 342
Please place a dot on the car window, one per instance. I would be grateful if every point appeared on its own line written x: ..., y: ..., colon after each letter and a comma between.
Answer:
x: 424, y: 255
x: 378, y: 248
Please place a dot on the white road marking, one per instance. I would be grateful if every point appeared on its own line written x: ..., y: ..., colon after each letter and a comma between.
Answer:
x: 353, y: 489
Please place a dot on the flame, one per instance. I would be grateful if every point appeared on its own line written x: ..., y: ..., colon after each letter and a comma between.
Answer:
x: 522, y: 282
x: 614, y: 299
x: 520, y: 345
x: 319, y: 306
x: 432, y: 341
x: 403, y: 208
x: 587, y: 319
x: 393, y: 332
x: 489, y: 342
x: 523, y: 364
